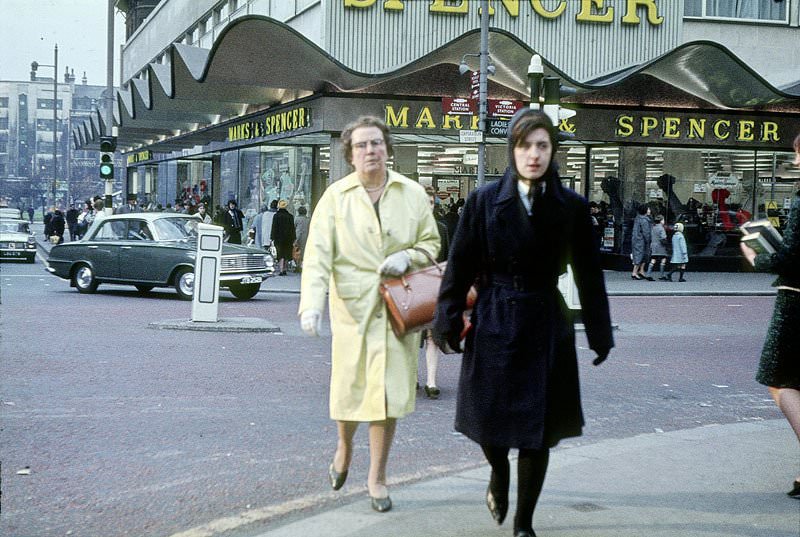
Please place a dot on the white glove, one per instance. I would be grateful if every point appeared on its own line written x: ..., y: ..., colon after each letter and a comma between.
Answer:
x: 395, y: 264
x: 311, y: 322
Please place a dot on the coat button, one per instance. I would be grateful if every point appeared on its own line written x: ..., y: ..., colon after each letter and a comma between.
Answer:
x: 389, y: 233
x: 379, y: 315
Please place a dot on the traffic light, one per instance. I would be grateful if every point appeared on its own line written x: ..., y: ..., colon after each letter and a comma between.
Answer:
x: 108, y: 144
x: 553, y: 91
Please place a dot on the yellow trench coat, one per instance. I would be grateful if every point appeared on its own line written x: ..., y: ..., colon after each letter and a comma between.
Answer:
x: 373, y: 373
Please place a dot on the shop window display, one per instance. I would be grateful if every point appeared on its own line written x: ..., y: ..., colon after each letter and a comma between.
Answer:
x: 711, y: 192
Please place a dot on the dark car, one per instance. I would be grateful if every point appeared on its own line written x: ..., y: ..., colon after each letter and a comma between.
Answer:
x: 150, y: 250
x: 16, y: 240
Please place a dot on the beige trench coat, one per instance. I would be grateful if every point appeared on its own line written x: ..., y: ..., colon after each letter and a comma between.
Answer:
x: 373, y: 373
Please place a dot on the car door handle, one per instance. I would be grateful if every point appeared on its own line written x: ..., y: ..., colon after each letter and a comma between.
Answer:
x: 93, y: 247
x: 125, y: 247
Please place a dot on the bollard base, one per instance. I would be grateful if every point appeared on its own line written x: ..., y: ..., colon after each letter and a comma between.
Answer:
x: 226, y: 324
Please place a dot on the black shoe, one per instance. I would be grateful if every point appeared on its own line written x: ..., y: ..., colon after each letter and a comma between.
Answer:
x: 649, y: 278
x: 282, y: 273
x: 381, y: 505
x: 524, y: 533
x: 681, y: 280
x: 497, y: 508
x: 432, y: 392
x: 337, y: 479
x: 795, y: 492
x: 663, y: 279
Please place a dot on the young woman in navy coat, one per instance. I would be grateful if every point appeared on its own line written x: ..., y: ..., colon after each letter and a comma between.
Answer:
x: 518, y: 386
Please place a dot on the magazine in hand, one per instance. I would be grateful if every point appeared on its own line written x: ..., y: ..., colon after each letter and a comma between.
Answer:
x: 761, y: 236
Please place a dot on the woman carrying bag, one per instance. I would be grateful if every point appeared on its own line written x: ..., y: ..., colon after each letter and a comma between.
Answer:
x: 365, y: 227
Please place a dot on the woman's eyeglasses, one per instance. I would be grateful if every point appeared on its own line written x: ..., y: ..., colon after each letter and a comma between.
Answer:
x: 377, y: 142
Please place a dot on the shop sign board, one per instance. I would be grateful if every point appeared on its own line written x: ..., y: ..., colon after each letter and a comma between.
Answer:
x: 271, y: 124
x: 686, y: 128
x: 139, y: 157
x: 497, y: 127
x: 457, y: 106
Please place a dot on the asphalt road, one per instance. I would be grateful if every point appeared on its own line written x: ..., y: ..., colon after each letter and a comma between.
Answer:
x: 130, y: 431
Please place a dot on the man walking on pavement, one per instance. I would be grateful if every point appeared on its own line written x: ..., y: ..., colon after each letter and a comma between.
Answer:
x: 72, y: 222
x: 233, y: 220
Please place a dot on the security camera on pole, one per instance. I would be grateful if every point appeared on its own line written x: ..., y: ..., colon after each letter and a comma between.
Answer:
x: 546, y: 93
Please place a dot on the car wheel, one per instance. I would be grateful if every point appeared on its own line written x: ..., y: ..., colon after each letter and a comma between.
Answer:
x: 83, y: 279
x: 184, y: 283
x: 245, y: 291
x: 144, y: 288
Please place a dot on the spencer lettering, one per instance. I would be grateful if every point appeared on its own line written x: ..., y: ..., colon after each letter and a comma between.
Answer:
x: 624, y: 126
x: 632, y: 17
x: 587, y: 15
x: 694, y: 128
x: 591, y: 11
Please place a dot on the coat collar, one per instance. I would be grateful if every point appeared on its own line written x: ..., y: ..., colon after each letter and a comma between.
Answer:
x: 508, y: 187
x: 351, y: 181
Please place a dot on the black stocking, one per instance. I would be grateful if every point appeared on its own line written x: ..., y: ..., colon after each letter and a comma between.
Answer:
x: 498, y: 460
x: 531, y: 469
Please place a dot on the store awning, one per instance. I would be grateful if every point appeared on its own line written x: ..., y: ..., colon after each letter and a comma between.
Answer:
x: 257, y: 63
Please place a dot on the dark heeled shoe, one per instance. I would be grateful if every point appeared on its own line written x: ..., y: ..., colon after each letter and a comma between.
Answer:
x: 524, y: 533
x: 432, y: 392
x: 497, y: 509
x: 381, y: 505
x: 795, y: 492
x: 337, y: 479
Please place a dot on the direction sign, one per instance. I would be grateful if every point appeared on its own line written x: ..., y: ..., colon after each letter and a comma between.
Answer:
x: 470, y: 137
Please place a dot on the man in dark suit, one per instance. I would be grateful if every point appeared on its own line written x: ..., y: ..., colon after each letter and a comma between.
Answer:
x: 72, y: 221
x: 129, y: 207
x: 233, y: 220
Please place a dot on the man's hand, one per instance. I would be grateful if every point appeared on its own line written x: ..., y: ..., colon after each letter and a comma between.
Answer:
x: 311, y: 322
x: 395, y: 264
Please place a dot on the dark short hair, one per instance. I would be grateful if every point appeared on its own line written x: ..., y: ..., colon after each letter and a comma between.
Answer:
x: 301, y: 211
x: 231, y: 201
x: 642, y: 209
x: 525, y: 122
x: 364, y: 121
x: 659, y: 218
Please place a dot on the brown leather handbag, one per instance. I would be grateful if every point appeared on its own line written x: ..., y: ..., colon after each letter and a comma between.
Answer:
x: 411, y: 298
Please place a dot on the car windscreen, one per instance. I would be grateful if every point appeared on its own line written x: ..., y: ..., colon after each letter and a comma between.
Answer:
x: 13, y: 227
x: 178, y: 228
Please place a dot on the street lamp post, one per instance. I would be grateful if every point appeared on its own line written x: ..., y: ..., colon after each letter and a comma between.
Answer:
x: 34, y: 67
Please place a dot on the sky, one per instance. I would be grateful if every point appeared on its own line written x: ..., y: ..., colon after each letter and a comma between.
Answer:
x: 29, y: 29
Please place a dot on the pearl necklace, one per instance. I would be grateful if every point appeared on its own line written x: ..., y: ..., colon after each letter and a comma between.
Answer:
x: 376, y: 188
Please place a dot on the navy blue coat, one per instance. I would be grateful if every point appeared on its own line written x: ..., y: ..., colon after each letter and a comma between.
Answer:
x: 518, y: 385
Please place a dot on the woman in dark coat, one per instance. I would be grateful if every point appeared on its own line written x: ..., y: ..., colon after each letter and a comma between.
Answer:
x: 640, y: 243
x: 779, y: 368
x: 283, y: 235
x: 518, y: 386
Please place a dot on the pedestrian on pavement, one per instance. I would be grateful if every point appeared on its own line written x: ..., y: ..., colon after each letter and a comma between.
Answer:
x: 358, y: 233
x: 30, y: 214
x: 129, y: 207
x: 72, y: 222
x: 57, y: 225
x: 680, y: 254
x: 47, y: 218
x: 518, y: 386
x: 779, y: 368
x: 658, y: 249
x: 301, y: 235
x: 283, y: 235
x: 431, y: 351
x: 201, y: 212
x: 640, y: 243
x: 233, y: 222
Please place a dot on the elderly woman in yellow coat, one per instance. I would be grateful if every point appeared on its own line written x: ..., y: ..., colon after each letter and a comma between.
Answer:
x: 366, y: 226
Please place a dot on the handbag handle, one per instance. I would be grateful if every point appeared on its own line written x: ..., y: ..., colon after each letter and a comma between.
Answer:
x: 438, y: 266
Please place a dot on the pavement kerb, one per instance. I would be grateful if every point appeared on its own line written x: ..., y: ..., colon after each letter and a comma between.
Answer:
x: 712, y: 481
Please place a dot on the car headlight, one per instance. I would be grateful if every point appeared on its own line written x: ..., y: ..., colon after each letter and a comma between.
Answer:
x: 32, y: 241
